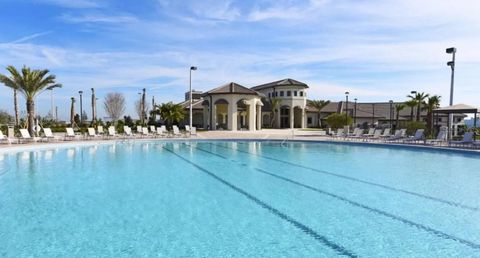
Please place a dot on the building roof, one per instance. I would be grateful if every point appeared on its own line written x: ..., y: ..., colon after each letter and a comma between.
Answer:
x: 197, y: 104
x: 284, y: 82
x: 457, y: 108
x: 231, y: 88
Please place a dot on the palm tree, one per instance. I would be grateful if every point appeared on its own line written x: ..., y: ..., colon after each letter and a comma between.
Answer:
x: 15, y: 105
x: 275, y: 104
x: 170, y: 113
x: 72, y: 112
x: 411, y: 104
x: 398, y: 108
x: 420, y: 98
x: 433, y: 102
x: 30, y: 83
x: 319, y: 105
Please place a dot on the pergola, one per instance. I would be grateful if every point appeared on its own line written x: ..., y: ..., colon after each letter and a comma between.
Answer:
x: 458, y: 109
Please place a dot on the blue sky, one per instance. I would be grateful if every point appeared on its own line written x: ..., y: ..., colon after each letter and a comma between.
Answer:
x: 376, y: 50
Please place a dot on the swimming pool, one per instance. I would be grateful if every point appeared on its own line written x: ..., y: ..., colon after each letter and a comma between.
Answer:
x: 239, y: 199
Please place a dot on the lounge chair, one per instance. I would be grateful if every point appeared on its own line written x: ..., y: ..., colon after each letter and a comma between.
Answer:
x: 100, y: 130
x: 340, y: 133
x: 111, y: 131
x: 4, y: 138
x: 91, y: 133
x: 70, y: 134
x: 357, y: 134
x: 193, y: 131
x: 139, y: 129
x: 48, y: 134
x: 370, y: 132
x: 441, y: 137
x: 153, y: 130
x: 399, y: 134
x: 376, y: 135
x: 467, y: 139
x: 127, y: 131
x: 419, y: 136
x: 25, y: 136
x: 145, y: 132
x: 161, y: 131
x: 176, y: 131
x: 386, y: 133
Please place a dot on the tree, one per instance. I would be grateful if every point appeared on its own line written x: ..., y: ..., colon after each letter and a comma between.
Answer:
x: 275, y: 105
x: 114, y: 105
x: 142, y: 110
x: 170, y: 113
x: 433, y: 102
x: 337, y: 120
x: 398, y: 108
x: 15, y: 105
x: 411, y: 104
x: 29, y: 83
x: 419, y: 98
x: 5, y: 117
x: 319, y: 105
x: 72, y: 112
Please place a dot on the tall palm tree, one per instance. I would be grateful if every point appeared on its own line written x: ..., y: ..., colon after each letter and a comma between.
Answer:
x: 15, y: 105
x: 433, y: 102
x: 398, y: 108
x: 319, y: 105
x: 72, y: 112
x: 275, y: 105
x: 411, y: 104
x: 170, y: 113
x: 420, y: 98
x: 29, y: 83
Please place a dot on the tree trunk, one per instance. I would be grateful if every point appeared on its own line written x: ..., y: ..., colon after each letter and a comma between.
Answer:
x: 418, y: 112
x: 72, y: 113
x: 411, y: 114
x: 31, y: 116
x: 15, y: 104
x: 397, y: 120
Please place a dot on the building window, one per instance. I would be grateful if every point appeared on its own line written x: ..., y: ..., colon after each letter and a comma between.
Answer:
x: 295, y: 93
x: 289, y: 93
x: 309, y: 120
x: 439, y: 119
x: 281, y: 93
x: 276, y: 93
x: 301, y: 93
x: 269, y: 94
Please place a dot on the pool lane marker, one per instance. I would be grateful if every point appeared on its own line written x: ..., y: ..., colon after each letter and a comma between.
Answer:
x: 356, y: 204
x: 302, y: 227
x: 451, y: 203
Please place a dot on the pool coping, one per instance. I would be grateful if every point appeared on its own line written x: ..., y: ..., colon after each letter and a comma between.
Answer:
x: 69, y: 144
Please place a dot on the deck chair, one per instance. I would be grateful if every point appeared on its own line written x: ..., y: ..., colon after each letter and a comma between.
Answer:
x: 419, y: 136
x: 370, y: 132
x: 4, y: 138
x: 153, y: 130
x: 91, y: 133
x: 25, y: 136
x: 340, y: 133
x: 145, y: 132
x: 441, y: 137
x: 467, y: 139
x: 111, y: 132
x: 193, y: 131
x: 127, y: 131
x: 386, y: 133
x: 139, y: 129
x: 161, y: 131
x: 48, y: 134
x: 399, y: 134
x: 70, y: 134
x: 176, y: 131
x: 357, y: 133
x: 100, y: 130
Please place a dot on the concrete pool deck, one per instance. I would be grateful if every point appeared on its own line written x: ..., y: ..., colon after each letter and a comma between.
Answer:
x: 286, y: 135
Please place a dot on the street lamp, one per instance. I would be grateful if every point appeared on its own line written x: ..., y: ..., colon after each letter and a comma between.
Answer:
x: 94, y: 106
x: 346, y: 107
x: 391, y: 106
x: 355, y: 112
x: 452, y: 51
x: 192, y: 68
x: 81, y: 108
x: 413, y: 92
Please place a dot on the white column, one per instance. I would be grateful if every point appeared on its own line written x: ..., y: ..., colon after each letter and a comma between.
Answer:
x: 252, y: 115
x: 213, y: 126
x: 292, y: 113
x: 303, y: 118
x: 232, y: 116
x: 259, y: 117
x: 205, y: 117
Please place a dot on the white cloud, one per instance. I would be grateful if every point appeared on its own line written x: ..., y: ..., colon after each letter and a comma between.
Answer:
x: 74, y: 3
x: 98, y: 18
x: 30, y: 37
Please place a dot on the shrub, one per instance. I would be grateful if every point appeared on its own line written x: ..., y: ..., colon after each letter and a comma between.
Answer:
x: 337, y: 120
x: 413, y: 126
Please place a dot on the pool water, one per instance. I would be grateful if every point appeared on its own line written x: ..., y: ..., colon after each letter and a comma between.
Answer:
x: 239, y: 199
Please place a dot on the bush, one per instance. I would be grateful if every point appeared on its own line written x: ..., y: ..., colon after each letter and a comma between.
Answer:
x: 413, y: 126
x: 337, y: 120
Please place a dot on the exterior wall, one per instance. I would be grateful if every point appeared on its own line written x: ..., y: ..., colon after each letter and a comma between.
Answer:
x: 230, y: 112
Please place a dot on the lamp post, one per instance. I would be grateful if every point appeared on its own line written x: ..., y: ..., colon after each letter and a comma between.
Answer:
x: 452, y: 51
x: 144, y: 113
x: 140, y: 114
x: 413, y: 92
x: 94, y: 106
x: 391, y: 114
x: 81, y: 108
x: 192, y: 68
x: 355, y: 112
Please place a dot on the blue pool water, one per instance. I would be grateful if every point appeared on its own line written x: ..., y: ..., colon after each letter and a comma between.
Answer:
x: 239, y: 199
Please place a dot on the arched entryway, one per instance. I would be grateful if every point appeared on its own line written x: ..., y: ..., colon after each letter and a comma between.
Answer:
x: 243, y: 115
x: 284, y: 115
x: 221, y: 114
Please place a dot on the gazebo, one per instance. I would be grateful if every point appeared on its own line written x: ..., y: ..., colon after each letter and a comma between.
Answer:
x: 458, y: 109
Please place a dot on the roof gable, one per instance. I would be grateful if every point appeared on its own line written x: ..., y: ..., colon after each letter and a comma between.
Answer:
x: 231, y: 88
x: 284, y: 82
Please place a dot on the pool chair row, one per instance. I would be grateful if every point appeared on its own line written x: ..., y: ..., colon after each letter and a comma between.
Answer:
x: 140, y: 132
x: 25, y: 137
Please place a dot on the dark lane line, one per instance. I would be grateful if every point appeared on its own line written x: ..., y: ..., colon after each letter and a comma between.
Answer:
x: 428, y: 229
x: 302, y: 227
x: 451, y: 203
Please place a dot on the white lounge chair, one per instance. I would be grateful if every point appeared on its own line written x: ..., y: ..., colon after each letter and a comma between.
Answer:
x: 128, y: 131
x: 467, y: 139
x: 139, y: 129
x: 70, y: 134
x: 91, y: 133
x: 48, y: 135
x: 441, y: 137
x: 161, y: 131
x: 193, y: 131
x: 153, y: 130
x: 399, y: 134
x: 419, y: 136
x: 100, y: 130
x: 386, y: 133
x: 376, y: 135
x: 25, y: 136
x: 370, y: 132
x: 176, y: 131
x: 4, y: 138
x: 340, y: 133
x: 357, y: 134
x: 111, y: 131
x: 145, y: 132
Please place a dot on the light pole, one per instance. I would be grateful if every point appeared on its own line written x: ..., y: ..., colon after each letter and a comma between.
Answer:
x: 94, y: 106
x: 413, y: 92
x: 140, y: 114
x: 346, y: 107
x: 144, y: 113
x: 452, y: 51
x: 81, y: 108
x: 192, y: 68
x: 355, y: 112
x: 391, y: 105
